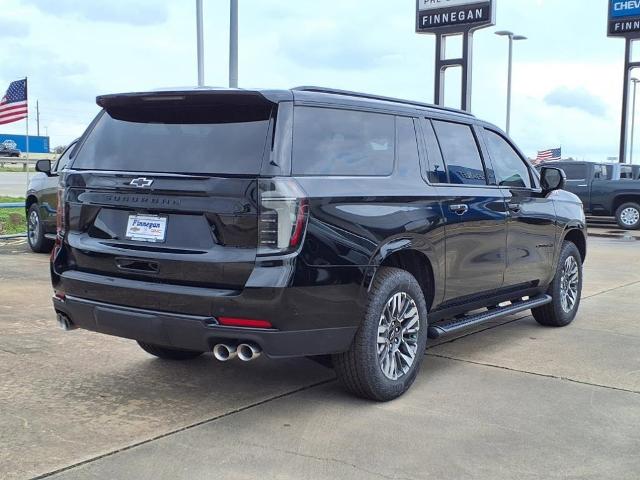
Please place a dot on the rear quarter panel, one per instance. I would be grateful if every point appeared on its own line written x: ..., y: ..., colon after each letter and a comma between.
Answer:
x: 348, y: 228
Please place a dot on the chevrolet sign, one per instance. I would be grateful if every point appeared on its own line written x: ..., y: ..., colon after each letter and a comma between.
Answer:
x: 624, y: 18
x: 454, y: 16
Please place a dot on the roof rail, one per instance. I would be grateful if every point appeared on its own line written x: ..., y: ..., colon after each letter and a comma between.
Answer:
x: 335, y: 91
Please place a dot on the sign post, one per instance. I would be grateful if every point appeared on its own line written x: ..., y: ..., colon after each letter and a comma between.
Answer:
x: 624, y: 21
x: 446, y: 18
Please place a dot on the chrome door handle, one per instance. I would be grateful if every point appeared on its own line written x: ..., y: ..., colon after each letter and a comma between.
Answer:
x: 459, y: 209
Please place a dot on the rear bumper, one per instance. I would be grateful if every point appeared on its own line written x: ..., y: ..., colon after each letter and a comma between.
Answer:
x: 191, y: 332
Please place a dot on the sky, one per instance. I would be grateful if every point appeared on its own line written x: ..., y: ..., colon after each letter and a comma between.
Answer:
x: 567, y: 83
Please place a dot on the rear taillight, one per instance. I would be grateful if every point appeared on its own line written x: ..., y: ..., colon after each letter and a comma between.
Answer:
x: 60, y: 226
x: 60, y: 213
x: 283, y: 216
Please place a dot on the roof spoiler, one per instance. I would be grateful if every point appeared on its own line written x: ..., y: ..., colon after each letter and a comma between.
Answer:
x: 194, y: 96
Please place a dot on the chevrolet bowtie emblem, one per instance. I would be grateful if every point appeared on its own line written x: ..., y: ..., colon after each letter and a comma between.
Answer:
x: 141, y: 182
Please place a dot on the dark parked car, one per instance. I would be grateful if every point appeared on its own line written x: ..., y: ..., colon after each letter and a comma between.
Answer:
x: 42, y: 202
x: 7, y: 151
x: 606, y: 189
x: 307, y: 222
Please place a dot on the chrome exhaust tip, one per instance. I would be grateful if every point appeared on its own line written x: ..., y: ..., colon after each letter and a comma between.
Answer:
x: 224, y: 352
x: 65, y: 322
x: 248, y: 351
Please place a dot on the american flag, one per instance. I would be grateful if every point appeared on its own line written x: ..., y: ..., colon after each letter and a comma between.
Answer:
x: 13, y: 106
x: 552, y: 154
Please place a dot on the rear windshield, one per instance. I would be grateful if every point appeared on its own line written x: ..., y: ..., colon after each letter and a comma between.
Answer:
x: 206, y: 139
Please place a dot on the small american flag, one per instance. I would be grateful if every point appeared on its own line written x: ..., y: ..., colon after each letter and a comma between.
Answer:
x: 13, y: 106
x: 552, y: 154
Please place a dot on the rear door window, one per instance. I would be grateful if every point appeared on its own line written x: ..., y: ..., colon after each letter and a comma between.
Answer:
x: 460, y: 152
x: 206, y: 139
x: 435, y: 170
x: 328, y: 141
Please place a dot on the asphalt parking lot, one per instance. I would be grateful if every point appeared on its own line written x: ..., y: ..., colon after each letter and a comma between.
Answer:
x: 510, y: 400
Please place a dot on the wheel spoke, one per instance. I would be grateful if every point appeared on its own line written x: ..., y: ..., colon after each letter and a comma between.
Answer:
x: 397, y: 339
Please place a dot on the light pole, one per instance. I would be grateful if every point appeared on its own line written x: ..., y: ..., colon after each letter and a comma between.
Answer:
x: 512, y: 37
x: 200, y: 43
x: 233, y: 44
x: 635, y: 82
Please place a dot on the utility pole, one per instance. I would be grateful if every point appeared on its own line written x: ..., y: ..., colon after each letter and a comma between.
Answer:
x: 37, y: 118
x: 233, y: 44
x: 200, y: 43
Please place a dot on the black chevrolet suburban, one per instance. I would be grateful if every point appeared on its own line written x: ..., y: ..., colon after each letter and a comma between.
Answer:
x: 307, y: 222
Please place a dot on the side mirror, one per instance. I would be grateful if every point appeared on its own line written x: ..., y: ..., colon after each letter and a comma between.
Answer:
x: 552, y: 178
x: 44, y: 166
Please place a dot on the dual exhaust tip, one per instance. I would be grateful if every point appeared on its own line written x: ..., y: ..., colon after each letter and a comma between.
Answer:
x: 244, y: 351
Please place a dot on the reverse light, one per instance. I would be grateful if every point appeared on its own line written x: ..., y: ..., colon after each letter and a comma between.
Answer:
x: 283, y: 216
x: 244, y: 322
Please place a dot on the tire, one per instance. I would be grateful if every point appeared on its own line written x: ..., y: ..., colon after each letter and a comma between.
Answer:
x: 628, y: 216
x: 167, y: 353
x: 359, y: 369
x: 555, y: 314
x: 35, y: 231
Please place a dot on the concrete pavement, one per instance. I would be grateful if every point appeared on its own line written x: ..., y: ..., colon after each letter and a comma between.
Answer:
x: 511, y: 400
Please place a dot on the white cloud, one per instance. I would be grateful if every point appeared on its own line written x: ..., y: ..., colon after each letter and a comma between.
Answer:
x: 132, y: 12
x: 73, y: 50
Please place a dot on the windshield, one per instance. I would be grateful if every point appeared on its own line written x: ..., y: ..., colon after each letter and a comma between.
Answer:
x: 174, y: 138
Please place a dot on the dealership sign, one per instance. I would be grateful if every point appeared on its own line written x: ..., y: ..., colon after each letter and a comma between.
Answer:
x: 624, y: 18
x: 442, y: 16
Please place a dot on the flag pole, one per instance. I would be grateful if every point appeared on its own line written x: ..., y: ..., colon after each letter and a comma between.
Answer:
x: 26, y: 91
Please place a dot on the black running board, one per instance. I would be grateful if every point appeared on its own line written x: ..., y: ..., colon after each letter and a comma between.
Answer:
x: 457, y: 324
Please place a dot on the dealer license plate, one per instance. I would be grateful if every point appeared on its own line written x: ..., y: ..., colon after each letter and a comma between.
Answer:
x: 146, y: 228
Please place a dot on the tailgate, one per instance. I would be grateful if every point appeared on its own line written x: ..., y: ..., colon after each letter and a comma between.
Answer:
x: 207, y: 235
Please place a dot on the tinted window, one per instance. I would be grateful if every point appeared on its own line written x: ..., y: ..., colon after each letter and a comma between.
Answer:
x: 342, y: 142
x: 509, y: 169
x: 181, y: 139
x: 574, y: 172
x: 460, y: 152
x: 407, y: 143
x: 436, y: 172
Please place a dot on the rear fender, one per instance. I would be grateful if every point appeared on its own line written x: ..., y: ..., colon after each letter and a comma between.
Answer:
x: 405, y: 244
